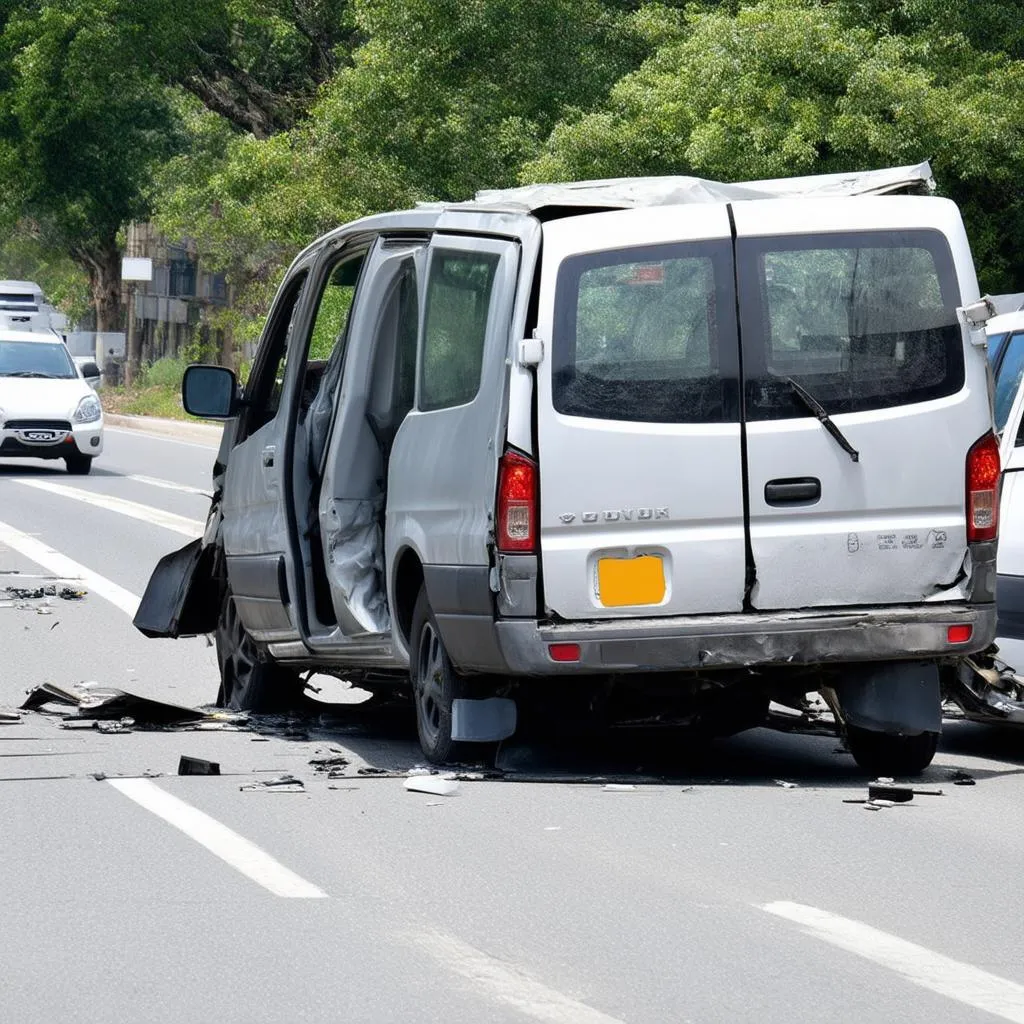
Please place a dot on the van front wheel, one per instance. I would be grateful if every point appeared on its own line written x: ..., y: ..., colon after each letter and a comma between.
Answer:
x: 881, y: 754
x: 249, y: 681
x: 435, y: 686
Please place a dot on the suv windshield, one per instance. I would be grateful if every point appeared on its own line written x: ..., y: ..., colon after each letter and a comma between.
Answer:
x: 862, y: 321
x: 35, y: 359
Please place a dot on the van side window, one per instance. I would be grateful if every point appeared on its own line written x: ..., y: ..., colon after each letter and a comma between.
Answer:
x: 862, y: 321
x: 459, y: 288
x: 647, y: 335
x: 266, y: 381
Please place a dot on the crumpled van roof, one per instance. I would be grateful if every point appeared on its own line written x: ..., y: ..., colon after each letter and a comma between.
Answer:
x: 625, y: 193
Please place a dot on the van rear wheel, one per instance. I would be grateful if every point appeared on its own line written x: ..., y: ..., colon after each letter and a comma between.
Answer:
x: 248, y: 681
x: 435, y: 686
x: 881, y: 754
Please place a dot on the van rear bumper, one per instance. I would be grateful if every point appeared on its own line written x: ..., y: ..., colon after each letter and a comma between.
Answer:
x: 737, y: 641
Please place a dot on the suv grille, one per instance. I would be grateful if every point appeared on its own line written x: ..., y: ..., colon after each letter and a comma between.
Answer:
x: 37, y: 425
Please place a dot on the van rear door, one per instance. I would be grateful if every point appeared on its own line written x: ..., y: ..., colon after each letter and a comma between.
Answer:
x: 638, y: 415
x: 854, y: 316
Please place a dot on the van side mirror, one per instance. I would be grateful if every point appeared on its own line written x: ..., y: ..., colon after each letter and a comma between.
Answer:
x: 90, y: 370
x: 210, y: 392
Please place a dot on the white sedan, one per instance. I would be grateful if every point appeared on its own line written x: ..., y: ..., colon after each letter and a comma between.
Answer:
x: 47, y: 409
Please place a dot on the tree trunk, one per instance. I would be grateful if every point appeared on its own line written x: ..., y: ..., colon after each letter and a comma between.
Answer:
x: 102, y: 262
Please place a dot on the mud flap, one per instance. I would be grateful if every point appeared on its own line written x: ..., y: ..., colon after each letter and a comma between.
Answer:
x: 900, y: 698
x: 182, y: 597
x: 483, y: 721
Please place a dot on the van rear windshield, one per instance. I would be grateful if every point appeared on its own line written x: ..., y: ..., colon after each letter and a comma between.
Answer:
x: 862, y: 321
x: 647, y: 334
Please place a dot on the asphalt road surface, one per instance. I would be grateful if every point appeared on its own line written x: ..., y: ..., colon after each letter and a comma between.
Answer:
x: 710, y: 894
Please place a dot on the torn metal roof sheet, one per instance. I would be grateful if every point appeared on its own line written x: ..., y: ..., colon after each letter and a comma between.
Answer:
x: 674, y: 190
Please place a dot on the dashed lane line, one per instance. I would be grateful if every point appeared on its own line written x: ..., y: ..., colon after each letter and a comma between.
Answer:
x: 167, y: 485
x: 951, y: 978
x: 67, y: 568
x: 243, y: 855
x: 507, y: 983
x: 144, y: 513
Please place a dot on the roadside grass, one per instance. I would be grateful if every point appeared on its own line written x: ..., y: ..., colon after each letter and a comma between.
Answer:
x: 142, y: 400
x: 156, y: 393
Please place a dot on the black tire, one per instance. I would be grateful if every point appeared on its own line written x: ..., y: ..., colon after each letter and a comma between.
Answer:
x: 435, y: 685
x: 249, y: 681
x: 895, y: 756
x: 78, y: 465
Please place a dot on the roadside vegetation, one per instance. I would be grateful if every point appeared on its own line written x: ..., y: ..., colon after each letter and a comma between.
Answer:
x: 247, y: 127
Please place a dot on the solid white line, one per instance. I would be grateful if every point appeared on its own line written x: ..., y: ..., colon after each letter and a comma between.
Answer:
x: 933, y: 971
x: 509, y: 984
x: 232, y: 848
x: 167, y: 485
x: 145, y: 513
x: 60, y: 565
x: 153, y: 435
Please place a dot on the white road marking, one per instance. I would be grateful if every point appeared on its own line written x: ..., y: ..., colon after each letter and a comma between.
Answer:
x: 152, y: 435
x: 508, y: 983
x: 232, y: 848
x: 60, y: 565
x: 167, y: 485
x: 145, y: 513
x: 951, y: 978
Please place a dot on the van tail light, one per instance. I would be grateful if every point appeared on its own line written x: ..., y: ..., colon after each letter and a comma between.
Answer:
x: 983, y: 489
x: 517, y: 504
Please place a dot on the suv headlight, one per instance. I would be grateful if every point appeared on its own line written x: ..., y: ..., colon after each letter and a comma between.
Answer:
x: 89, y: 410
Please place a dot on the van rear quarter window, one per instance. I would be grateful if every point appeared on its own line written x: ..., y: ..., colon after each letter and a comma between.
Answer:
x: 862, y: 321
x: 647, y: 334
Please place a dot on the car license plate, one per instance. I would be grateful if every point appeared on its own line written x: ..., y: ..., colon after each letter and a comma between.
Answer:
x: 622, y: 582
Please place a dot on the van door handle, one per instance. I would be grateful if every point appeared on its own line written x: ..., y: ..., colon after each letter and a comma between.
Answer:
x: 268, y: 456
x: 804, y: 490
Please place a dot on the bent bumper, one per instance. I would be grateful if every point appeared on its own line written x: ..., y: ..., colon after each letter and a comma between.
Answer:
x: 521, y: 647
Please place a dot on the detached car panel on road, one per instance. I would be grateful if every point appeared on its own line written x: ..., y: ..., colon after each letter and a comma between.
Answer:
x: 668, y: 436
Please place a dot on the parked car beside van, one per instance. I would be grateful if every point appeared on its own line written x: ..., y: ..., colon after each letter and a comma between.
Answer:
x: 725, y: 442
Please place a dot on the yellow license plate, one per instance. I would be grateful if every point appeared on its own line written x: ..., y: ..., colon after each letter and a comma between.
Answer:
x: 630, y: 581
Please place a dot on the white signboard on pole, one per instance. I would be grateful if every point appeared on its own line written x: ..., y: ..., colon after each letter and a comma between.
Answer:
x: 134, y: 268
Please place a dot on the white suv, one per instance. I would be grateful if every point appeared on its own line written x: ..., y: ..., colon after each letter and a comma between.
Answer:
x: 721, y: 443
x: 47, y: 409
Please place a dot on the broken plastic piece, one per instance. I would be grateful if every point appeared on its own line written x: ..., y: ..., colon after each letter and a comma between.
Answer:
x: 618, y: 787
x: 786, y: 785
x: 100, y: 702
x: 888, y: 791
x: 123, y: 726
x: 436, y: 785
x: 282, y: 783
x: 197, y: 766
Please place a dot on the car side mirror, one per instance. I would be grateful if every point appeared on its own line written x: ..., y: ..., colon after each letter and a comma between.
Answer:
x: 210, y: 392
x: 90, y: 370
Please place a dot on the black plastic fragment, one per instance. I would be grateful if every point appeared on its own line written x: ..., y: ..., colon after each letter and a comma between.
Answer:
x: 197, y: 766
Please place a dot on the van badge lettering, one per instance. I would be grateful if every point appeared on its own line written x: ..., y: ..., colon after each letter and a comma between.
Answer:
x: 617, y: 515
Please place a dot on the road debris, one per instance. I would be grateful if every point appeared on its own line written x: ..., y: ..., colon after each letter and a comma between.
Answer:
x: 91, y: 701
x: 197, y: 766
x: 618, y: 787
x: 280, y: 784
x: 786, y: 785
x: 124, y: 725
x: 961, y: 778
x: 10, y: 718
x: 330, y: 763
x: 38, y: 593
x: 435, y: 785
x: 889, y: 791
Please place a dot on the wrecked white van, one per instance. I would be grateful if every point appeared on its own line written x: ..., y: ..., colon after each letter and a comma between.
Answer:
x: 722, y: 443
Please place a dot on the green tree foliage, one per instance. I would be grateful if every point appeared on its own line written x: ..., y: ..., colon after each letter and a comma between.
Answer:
x: 788, y: 87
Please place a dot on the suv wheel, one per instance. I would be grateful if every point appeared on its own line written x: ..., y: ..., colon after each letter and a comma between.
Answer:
x: 435, y: 685
x: 78, y: 465
x: 248, y: 681
x: 881, y: 754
